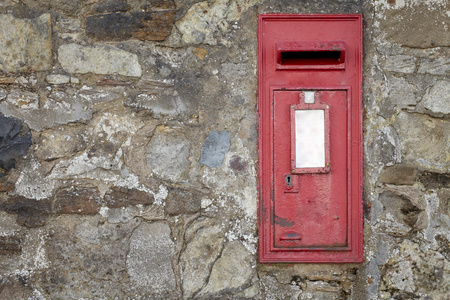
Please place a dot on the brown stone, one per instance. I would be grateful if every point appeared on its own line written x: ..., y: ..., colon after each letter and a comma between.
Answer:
x: 9, y: 245
x: 77, y: 200
x: 106, y: 82
x: 7, y: 80
x: 143, y: 25
x: 30, y: 212
x: 121, y: 197
x: 237, y: 164
x: 183, y: 202
x: 432, y: 180
x: 399, y: 175
x: 200, y: 53
x: 5, y: 186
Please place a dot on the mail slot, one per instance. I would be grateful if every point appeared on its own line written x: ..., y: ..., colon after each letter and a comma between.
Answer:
x: 310, y: 138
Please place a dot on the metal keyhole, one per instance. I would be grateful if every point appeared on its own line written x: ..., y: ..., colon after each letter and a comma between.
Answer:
x: 288, y: 181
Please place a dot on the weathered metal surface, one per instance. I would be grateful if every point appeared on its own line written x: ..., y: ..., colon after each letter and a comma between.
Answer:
x: 322, y: 222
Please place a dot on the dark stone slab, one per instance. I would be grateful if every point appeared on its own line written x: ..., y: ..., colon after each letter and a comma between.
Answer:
x: 143, y: 25
x: 214, y: 149
x: 14, y: 142
x: 121, y: 197
x: 30, y: 212
x: 10, y: 245
x: 112, y: 6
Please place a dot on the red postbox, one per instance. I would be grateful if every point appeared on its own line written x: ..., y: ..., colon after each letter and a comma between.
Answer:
x: 310, y: 138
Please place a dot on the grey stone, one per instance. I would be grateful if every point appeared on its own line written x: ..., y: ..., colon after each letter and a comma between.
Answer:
x: 199, y: 256
x: 228, y: 274
x: 149, y: 260
x: 274, y: 290
x: 167, y: 153
x: 26, y: 43
x: 424, y: 140
x: 214, y: 149
x: 22, y: 99
x: 400, y: 63
x: 385, y: 148
x: 58, y: 108
x: 57, y: 79
x: 204, y: 20
x: 437, y: 98
x: 161, y: 103
x: 439, y: 66
x: 99, y: 60
x: 3, y: 94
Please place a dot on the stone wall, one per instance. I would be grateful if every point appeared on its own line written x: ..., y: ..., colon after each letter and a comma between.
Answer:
x: 128, y: 152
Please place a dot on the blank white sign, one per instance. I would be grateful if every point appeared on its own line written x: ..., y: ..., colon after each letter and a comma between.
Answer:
x: 310, y: 138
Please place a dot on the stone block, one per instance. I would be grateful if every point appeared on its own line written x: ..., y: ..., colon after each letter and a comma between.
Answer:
x: 416, y: 25
x: 98, y: 60
x: 26, y: 43
x: 214, y: 149
x: 437, y: 98
x: 23, y: 99
x: 227, y: 274
x: 30, y: 212
x: 57, y: 79
x: 424, y: 140
x: 122, y: 197
x: 149, y: 260
x: 183, y: 202
x: 399, y: 174
x: 77, y: 200
x: 168, y: 152
x: 112, y: 6
x: 199, y: 256
x: 145, y: 25
x: 400, y: 63
x: 10, y: 245
x: 3, y: 94
x: 439, y: 66
x: 14, y: 142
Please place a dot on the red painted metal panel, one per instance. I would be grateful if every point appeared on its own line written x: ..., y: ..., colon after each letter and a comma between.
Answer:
x: 310, y: 214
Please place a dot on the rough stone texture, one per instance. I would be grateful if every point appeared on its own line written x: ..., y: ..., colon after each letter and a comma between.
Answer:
x: 167, y: 153
x: 424, y: 140
x: 436, y: 98
x: 24, y: 100
x: 227, y: 274
x: 439, y: 66
x: 214, y: 149
x: 149, y: 260
x: 399, y: 174
x: 427, y: 21
x: 401, y: 64
x: 183, y: 202
x: 28, y: 41
x: 77, y: 200
x: 30, y: 213
x: 144, y: 25
x: 120, y: 197
x: 99, y: 60
x: 199, y: 256
x: 14, y: 142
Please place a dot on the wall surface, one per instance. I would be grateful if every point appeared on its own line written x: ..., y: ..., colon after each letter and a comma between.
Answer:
x: 128, y: 152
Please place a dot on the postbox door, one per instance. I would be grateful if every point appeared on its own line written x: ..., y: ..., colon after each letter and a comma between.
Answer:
x: 310, y: 208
